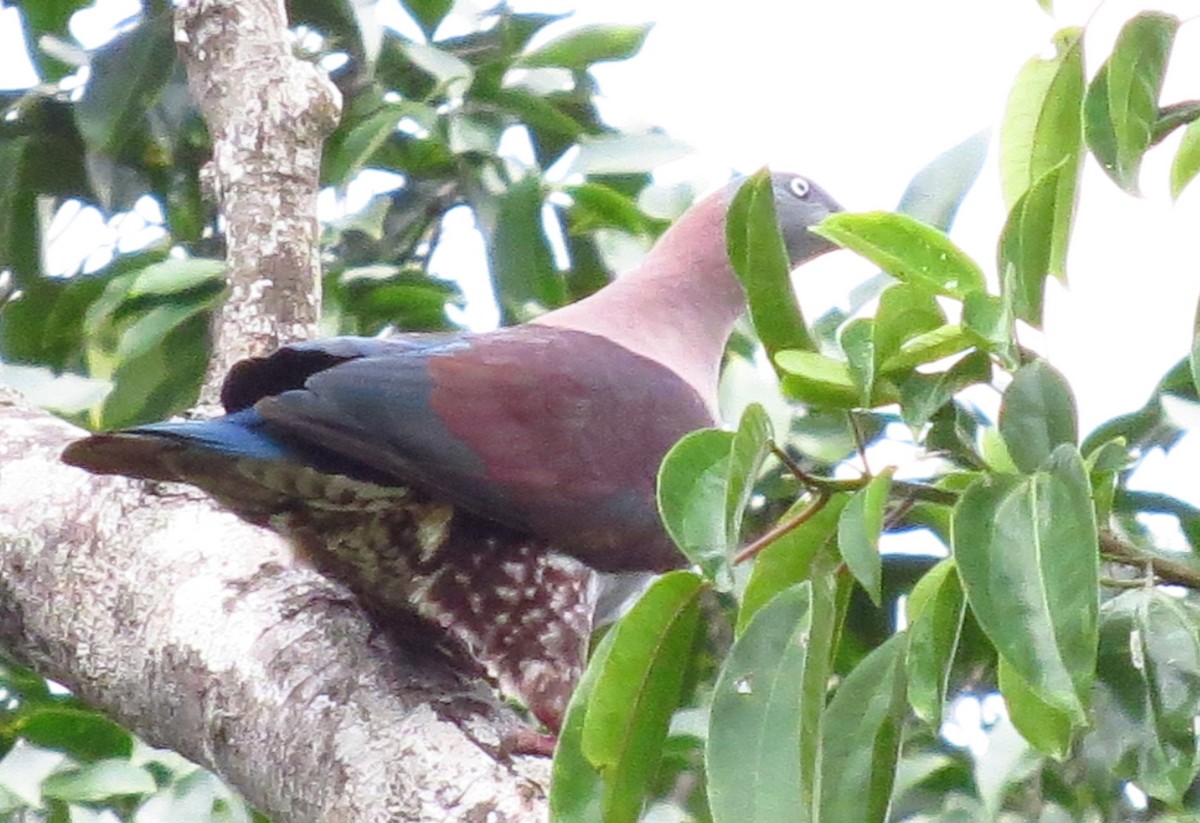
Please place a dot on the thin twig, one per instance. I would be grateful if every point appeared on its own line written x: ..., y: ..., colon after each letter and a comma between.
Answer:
x: 1167, y: 570
x: 780, y: 529
x: 859, y: 442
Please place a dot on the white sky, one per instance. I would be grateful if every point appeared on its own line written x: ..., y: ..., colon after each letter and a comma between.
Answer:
x: 859, y: 94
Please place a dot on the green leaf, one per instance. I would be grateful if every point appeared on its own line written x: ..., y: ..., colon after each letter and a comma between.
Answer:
x: 1026, y: 551
x: 12, y: 164
x: 921, y: 395
x: 826, y: 383
x: 83, y: 734
x: 907, y: 249
x: 760, y: 259
x: 522, y: 262
x: 860, y: 742
x: 354, y: 151
x: 451, y: 74
x: 858, y: 344
x: 1187, y: 159
x: 152, y: 327
x: 62, y: 393
x: 597, y: 206
x: 638, y: 689
x: 1148, y: 693
x: 789, y: 560
x: 747, y: 452
x: 990, y: 320
x: 935, y: 344
x: 50, y: 16
x: 692, y: 492
x: 586, y: 45
x: 428, y: 13
x: 126, y: 77
x: 1037, y: 415
x: 858, y: 534
x: 173, y: 275
x: 753, y: 754
x: 99, y: 781
x: 936, y: 191
x: 626, y: 153
x: 1042, y: 130
x: 1121, y: 107
x: 161, y: 381
x: 1046, y: 728
x: 576, y: 788
x: 905, y: 312
x: 1025, y: 255
x: 1194, y: 354
x: 936, y: 608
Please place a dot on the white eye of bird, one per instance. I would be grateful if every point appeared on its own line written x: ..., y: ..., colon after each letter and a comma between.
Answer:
x: 799, y: 186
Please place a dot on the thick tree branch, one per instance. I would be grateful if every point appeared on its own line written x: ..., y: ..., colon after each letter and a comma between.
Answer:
x: 268, y: 113
x: 196, y: 630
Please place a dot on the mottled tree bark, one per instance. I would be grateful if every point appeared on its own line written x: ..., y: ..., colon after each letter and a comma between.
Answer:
x: 268, y: 113
x: 195, y: 629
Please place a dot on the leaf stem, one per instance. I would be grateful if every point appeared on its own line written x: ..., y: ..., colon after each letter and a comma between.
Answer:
x: 780, y: 529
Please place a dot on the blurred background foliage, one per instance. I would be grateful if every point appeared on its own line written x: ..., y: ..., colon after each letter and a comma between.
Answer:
x: 113, y: 254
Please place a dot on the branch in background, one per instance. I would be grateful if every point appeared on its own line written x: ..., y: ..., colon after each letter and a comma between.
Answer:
x: 1165, y: 569
x: 194, y: 629
x: 268, y: 113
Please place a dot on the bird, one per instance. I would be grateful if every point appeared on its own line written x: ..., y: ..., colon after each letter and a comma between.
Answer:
x: 468, y: 487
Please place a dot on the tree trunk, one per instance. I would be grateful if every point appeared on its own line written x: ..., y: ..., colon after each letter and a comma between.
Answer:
x: 195, y: 629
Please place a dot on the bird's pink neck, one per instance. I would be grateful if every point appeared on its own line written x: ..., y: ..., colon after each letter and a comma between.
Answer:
x: 678, y: 307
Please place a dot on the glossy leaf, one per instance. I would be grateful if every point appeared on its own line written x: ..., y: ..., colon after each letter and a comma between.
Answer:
x: 826, y: 383
x: 1121, y: 108
x: 921, y: 395
x: 61, y: 393
x: 936, y: 608
x: 990, y: 320
x: 937, y: 190
x: 1037, y: 415
x: 749, y: 449
x: 858, y: 534
x: 1148, y: 692
x: 789, y: 560
x: 126, y: 76
x: 1042, y: 130
x: 451, y: 74
x: 637, y: 691
x: 1026, y: 552
x: 587, y: 45
x: 907, y: 249
x: 98, y: 781
x: 626, y: 153
x: 81, y: 733
x: 928, y: 347
x: 753, y: 753
x: 428, y: 13
x: 905, y: 312
x: 522, y: 262
x: 175, y: 275
x: 860, y: 742
x: 1187, y: 159
x: 354, y: 150
x: 760, y: 259
x: 1047, y: 728
x: 858, y: 344
x: 1026, y: 252
x: 692, y: 490
x: 576, y: 788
